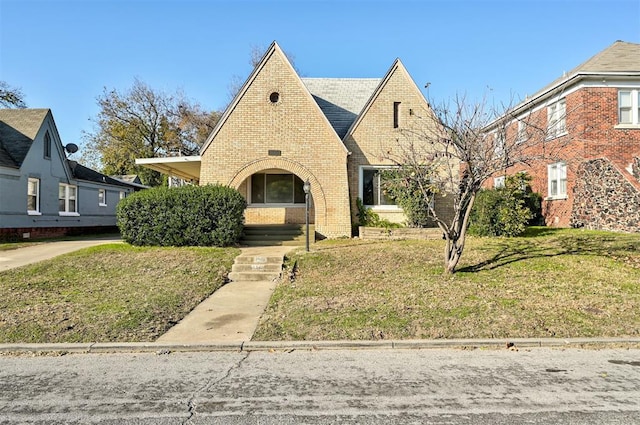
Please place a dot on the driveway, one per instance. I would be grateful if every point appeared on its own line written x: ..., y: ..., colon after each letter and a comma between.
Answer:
x: 32, y: 254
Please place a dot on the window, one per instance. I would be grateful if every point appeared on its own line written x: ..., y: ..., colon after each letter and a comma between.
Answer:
x: 277, y: 188
x: 556, y: 119
x: 557, y: 174
x: 498, y: 182
x: 33, y: 196
x: 67, y: 199
x: 629, y: 107
x: 522, y: 132
x: 372, y: 193
x: 102, y: 197
x: 123, y: 195
x: 396, y: 114
x: 499, y: 146
x: 47, y: 145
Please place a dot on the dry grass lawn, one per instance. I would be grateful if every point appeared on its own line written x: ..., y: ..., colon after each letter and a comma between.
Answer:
x: 551, y: 283
x: 112, y: 292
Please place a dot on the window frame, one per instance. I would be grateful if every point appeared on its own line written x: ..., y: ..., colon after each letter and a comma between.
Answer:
x: 557, y: 119
x: 266, y: 204
x: 37, y: 196
x: 67, y: 198
x: 634, y: 108
x: 557, y: 173
x: 499, y: 182
x: 102, y: 200
x: 378, y: 207
x: 521, y: 135
x: 396, y: 114
x: 46, y: 150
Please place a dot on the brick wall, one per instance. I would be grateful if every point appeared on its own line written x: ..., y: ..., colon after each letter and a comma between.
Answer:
x: 375, y: 139
x: 592, y: 118
x: 296, y: 128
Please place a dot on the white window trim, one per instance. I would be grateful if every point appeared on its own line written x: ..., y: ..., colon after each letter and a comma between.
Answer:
x: 389, y: 208
x: 66, y: 212
x: 37, y: 210
x: 558, y: 196
x: 104, y: 197
x: 635, y: 109
x: 499, y: 182
x: 521, y: 135
x: 554, y: 117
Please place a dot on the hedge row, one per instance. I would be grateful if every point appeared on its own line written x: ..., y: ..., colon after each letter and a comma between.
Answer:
x: 187, y: 216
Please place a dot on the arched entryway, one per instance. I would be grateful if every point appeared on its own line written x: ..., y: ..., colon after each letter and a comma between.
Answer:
x: 273, y: 188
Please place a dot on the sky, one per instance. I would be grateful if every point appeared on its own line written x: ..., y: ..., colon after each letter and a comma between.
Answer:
x: 62, y: 54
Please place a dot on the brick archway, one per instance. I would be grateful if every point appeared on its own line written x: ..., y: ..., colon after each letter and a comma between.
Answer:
x: 319, y: 198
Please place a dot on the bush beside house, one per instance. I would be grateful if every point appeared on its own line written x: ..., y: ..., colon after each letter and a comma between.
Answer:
x: 211, y: 215
x: 506, y: 211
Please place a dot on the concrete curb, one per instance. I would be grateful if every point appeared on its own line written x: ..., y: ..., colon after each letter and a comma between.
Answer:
x: 287, y: 346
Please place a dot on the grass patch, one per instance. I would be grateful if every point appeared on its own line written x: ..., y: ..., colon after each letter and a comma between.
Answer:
x: 549, y: 283
x: 112, y: 292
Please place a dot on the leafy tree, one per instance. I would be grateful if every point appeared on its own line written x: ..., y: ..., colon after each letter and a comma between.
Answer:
x: 451, y: 150
x: 145, y: 123
x: 11, y: 97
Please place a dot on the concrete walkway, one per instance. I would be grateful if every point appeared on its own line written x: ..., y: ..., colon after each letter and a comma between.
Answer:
x: 19, y: 257
x: 231, y: 314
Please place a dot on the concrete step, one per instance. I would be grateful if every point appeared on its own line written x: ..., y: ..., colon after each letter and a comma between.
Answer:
x: 276, y: 234
x: 253, y: 276
x: 258, y: 259
x: 257, y: 267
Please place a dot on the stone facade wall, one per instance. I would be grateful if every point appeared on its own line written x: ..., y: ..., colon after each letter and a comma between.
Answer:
x: 604, y: 199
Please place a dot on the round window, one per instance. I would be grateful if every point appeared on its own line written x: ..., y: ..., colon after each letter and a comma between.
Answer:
x: 274, y: 97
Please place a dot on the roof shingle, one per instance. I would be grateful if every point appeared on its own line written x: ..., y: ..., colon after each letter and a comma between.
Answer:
x: 341, y: 99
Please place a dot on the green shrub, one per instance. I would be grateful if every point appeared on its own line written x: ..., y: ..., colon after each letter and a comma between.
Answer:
x: 505, y: 211
x: 404, y: 186
x: 369, y: 218
x: 186, y: 216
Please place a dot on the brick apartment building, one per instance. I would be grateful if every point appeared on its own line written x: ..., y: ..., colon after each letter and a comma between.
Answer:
x: 282, y: 130
x: 591, y: 123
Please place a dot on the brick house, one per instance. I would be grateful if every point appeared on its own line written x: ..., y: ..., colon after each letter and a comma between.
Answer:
x: 282, y: 130
x: 591, y: 122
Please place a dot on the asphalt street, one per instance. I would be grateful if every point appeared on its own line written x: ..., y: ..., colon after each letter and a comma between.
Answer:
x: 390, y: 386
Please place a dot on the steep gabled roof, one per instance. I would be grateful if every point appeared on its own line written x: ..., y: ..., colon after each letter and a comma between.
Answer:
x: 395, y: 67
x: 341, y: 99
x: 18, y: 129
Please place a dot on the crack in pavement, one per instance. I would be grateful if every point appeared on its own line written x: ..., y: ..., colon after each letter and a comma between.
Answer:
x: 191, y: 402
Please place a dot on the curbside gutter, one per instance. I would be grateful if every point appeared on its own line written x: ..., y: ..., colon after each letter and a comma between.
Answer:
x: 288, y: 346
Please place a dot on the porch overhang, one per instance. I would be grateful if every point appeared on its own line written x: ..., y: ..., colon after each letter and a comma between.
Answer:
x: 184, y: 167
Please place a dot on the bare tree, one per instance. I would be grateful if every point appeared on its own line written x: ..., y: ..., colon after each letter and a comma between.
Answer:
x: 11, y: 97
x: 455, y: 148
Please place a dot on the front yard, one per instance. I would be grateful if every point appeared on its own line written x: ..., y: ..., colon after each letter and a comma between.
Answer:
x: 107, y: 293
x: 552, y: 283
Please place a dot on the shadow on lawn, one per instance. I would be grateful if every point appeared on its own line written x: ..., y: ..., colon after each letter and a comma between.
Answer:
x: 543, y: 244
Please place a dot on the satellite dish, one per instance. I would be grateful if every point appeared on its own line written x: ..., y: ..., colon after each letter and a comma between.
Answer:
x: 71, y: 148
